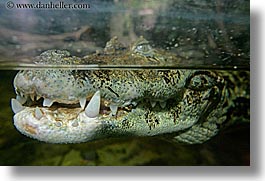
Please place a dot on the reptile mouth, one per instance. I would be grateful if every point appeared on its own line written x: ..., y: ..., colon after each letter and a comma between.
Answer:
x: 93, y: 107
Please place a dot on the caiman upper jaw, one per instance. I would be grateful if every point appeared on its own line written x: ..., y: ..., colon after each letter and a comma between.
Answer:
x: 92, y: 109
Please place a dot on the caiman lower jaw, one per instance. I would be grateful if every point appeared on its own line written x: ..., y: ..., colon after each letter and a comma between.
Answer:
x: 58, y: 126
x: 62, y: 124
x: 73, y: 124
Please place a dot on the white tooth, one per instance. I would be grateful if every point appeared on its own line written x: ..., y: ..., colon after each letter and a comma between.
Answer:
x: 153, y: 103
x: 16, y: 106
x: 113, y: 109
x: 92, y: 109
x: 32, y: 97
x: 20, y: 99
x: 163, y: 104
x: 47, y: 102
x: 38, y: 113
x: 21, y: 94
x: 134, y: 103
x: 82, y: 102
x: 38, y: 97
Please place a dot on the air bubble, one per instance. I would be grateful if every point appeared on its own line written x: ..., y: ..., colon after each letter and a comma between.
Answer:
x: 58, y: 123
x: 75, y: 124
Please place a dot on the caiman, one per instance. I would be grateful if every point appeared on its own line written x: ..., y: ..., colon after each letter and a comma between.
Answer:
x: 75, y: 105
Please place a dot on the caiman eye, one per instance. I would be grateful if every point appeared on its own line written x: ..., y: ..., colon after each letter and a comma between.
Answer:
x: 201, y: 82
x: 142, y: 47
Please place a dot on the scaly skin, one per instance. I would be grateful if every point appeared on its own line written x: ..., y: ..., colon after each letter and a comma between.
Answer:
x: 192, y: 104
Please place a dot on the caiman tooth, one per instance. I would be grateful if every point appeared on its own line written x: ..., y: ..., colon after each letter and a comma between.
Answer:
x: 114, y: 109
x: 82, y: 103
x: 16, y: 106
x: 153, y: 103
x: 21, y: 94
x: 38, y: 97
x: 163, y: 104
x: 47, y: 102
x: 32, y: 97
x: 93, y: 107
x: 20, y: 99
x: 38, y: 113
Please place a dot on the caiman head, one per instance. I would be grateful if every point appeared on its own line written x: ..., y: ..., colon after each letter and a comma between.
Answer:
x: 58, y: 105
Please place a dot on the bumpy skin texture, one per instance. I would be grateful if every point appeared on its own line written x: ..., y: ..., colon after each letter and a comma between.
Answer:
x: 192, y: 105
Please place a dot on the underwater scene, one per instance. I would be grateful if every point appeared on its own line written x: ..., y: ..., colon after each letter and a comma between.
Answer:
x: 125, y: 83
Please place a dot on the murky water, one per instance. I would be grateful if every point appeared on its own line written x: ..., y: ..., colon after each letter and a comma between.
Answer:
x: 212, y: 35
